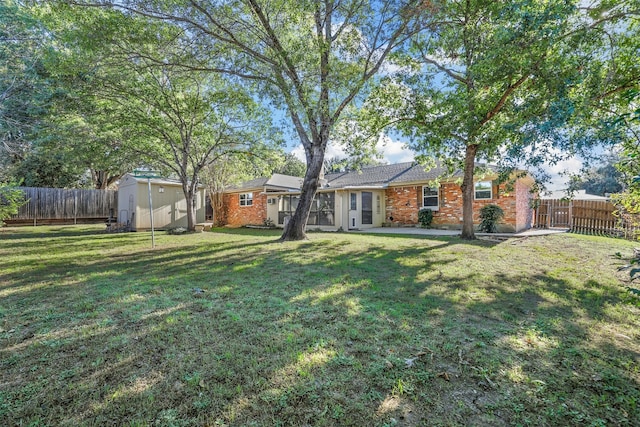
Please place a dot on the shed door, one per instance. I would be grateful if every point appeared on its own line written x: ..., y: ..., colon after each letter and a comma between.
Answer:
x: 131, y: 208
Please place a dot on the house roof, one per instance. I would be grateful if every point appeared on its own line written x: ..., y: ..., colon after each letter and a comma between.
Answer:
x: 368, y: 177
x: 577, y: 195
x: 249, y: 185
x: 276, y: 182
x: 284, y: 181
x: 385, y: 175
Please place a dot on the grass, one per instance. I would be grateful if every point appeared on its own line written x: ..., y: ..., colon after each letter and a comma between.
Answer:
x: 231, y: 328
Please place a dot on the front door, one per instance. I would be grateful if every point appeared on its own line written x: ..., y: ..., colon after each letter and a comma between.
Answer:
x: 353, y: 211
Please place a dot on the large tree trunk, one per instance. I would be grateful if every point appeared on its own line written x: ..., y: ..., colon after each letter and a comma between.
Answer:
x: 217, y: 205
x: 99, y: 179
x: 189, y: 195
x: 102, y: 179
x: 467, y: 192
x: 294, y: 230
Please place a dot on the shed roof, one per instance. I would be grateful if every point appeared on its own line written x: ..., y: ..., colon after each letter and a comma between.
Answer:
x: 155, y: 181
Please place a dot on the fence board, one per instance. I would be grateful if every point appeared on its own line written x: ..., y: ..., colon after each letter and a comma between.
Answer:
x: 585, y: 217
x: 66, y: 205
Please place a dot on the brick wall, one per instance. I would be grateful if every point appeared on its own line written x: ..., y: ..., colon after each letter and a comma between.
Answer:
x: 524, y: 218
x: 236, y: 216
x: 450, y: 212
x: 403, y: 203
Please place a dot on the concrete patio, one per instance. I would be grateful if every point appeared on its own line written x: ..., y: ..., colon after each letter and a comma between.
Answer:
x: 437, y: 232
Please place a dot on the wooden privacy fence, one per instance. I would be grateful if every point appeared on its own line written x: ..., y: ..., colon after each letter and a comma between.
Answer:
x: 553, y: 214
x: 57, y: 205
x: 585, y: 217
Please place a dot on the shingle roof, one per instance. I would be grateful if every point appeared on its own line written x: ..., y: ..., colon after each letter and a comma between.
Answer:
x: 385, y: 174
x: 577, y: 195
x: 372, y: 176
x: 284, y: 181
x: 249, y: 185
x: 277, y: 181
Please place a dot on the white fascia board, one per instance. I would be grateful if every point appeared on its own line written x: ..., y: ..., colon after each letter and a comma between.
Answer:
x: 364, y: 187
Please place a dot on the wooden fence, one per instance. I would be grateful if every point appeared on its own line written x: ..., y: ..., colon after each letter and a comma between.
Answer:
x: 585, y: 217
x: 56, y: 205
x: 553, y: 214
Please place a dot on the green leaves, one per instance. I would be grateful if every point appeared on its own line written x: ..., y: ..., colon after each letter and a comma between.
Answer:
x: 490, y: 216
x: 11, y: 198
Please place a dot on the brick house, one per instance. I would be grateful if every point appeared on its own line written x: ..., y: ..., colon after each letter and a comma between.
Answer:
x: 389, y: 195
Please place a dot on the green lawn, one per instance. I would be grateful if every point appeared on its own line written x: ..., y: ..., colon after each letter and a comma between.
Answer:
x: 233, y: 328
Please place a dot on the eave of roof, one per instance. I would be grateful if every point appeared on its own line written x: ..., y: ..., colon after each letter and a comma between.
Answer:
x: 159, y: 181
x: 374, y: 177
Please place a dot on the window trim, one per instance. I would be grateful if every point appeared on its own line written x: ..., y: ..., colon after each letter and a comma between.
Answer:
x: 475, y: 190
x: 246, y: 201
x: 437, y: 197
x: 366, y: 214
x: 353, y: 201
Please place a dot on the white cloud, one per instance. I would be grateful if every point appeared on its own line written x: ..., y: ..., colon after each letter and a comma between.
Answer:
x: 394, y: 151
x: 331, y: 152
x: 298, y: 151
x: 559, y: 172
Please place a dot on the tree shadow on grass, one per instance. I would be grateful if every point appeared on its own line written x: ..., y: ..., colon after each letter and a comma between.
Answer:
x: 37, y: 233
x: 317, y: 332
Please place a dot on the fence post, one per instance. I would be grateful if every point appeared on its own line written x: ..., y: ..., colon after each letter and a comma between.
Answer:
x: 35, y: 208
x: 570, y: 214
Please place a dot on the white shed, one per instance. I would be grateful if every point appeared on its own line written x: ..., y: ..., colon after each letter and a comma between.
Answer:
x: 167, y: 199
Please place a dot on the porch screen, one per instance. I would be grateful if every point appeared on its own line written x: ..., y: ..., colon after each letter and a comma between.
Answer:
x: 322, y: 209
x: 286, y: 207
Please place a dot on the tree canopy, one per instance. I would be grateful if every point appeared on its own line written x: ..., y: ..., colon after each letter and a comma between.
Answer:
x: 22, y: 92
x: 515, y: 83
x: 184, y: 84
x: 312, y: 58
x: 177, y: 119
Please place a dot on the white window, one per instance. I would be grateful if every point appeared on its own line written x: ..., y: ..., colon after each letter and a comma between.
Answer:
x: 484, y: 190
x: 246, y: 199
x: 430, y: 198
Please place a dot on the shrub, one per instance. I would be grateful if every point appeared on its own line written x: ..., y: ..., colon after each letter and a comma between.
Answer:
x: 11, y: 198
x: 634, y: 270
x: 425, y: 217
x: 490, y: 215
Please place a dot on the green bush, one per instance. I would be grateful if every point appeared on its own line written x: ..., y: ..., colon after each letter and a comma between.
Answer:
x: 490, y: 215
x: 425, y: 217
x: 11, y: 198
